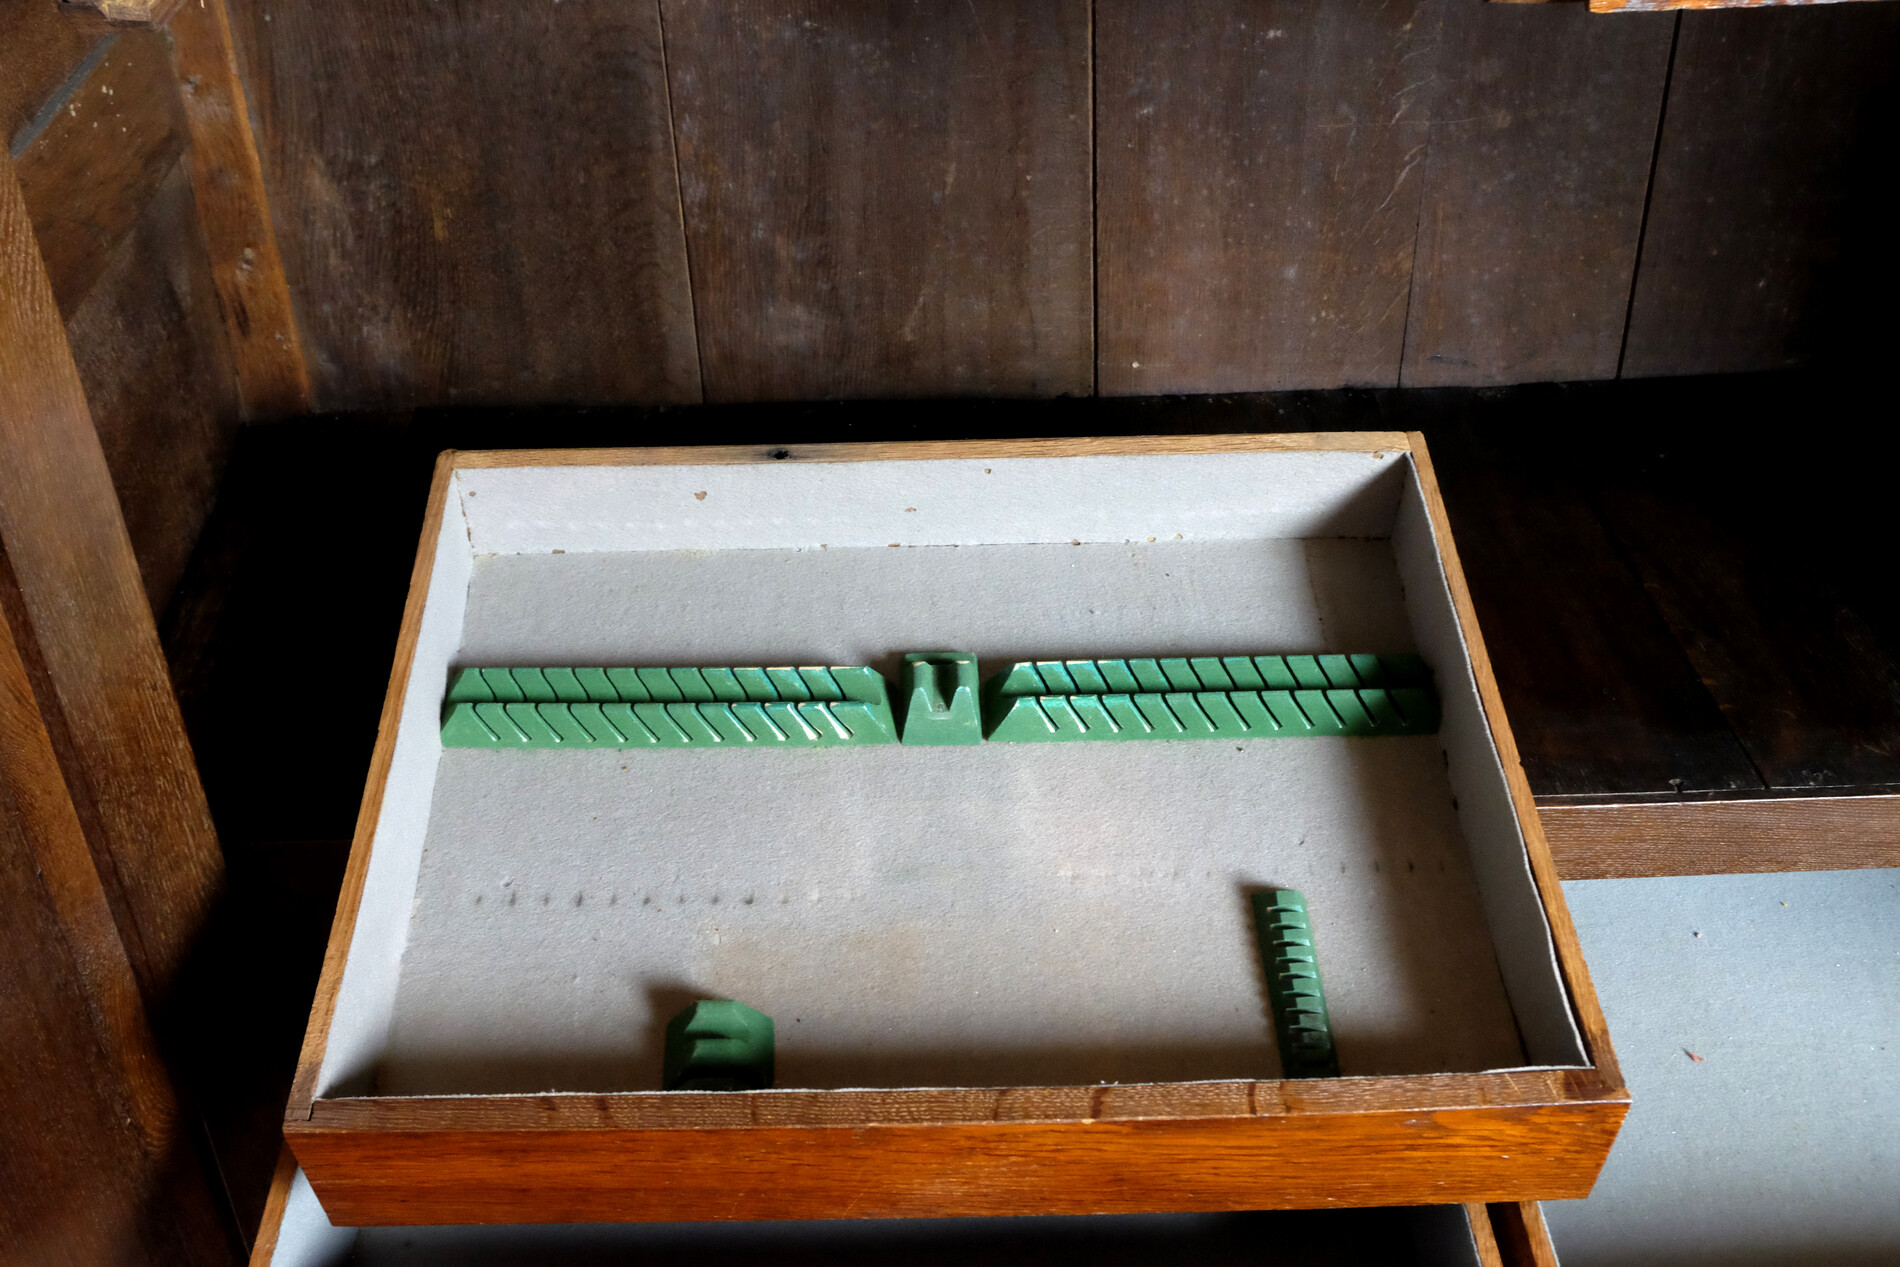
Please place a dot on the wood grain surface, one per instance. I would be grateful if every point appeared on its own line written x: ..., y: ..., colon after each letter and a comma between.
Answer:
x: 886, y: 199
x: 475, y: 205
x: 150, y: 344
x: 1543, y: 126
x: 1723, y: 837
x: 80, y: 590
x: 88, y: 175
x: 1267, y: 1162
x: 1767, y: 237
x: 1523, y: 1240
x: 1603, y: 698
x: 234, y: 210
x: 1257, y: 187
x: 104, y: 893
x: 42, y: 48
x: 1806, y: 682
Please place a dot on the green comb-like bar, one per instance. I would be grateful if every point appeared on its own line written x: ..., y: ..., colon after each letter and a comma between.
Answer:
x: 1293, y: 989
x: 667, y: 708
x: 1211, y: 697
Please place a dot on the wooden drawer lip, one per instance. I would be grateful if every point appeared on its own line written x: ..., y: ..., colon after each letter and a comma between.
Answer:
x: 1269, y: 1162
x: 877, y: 1109
x: 924, y: 450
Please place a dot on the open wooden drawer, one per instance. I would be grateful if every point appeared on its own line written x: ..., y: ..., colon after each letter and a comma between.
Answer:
x: 1007, y: 978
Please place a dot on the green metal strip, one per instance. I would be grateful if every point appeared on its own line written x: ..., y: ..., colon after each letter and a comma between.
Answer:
x: 1207, y: 697
x: 582, y: 707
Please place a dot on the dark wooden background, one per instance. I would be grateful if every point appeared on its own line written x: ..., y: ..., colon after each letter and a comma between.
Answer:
x: 490, y: 202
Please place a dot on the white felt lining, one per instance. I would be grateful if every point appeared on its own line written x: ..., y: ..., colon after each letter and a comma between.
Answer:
x: 505, y: 1020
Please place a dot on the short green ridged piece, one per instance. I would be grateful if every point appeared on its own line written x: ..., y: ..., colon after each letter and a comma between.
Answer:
x: 939, y: 690
x: 667, y: 708
x: 718, y: 1045
x: 1211, y: 697
x: 1293, y: 987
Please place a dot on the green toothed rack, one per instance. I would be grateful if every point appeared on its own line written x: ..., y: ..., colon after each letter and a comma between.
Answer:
x: 1294, y: 992
x: 667, y: 708
x: 1209, y: 697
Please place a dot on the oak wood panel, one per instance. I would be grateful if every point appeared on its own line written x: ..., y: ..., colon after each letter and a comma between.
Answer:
x: 92, y: 1155
x: 1258, y: 172
x: 1483, y: 1237
x: 475, y: 204
x: 1542, y: 132
x: 898, y: 1171
x: 1601, y: 694
x: 1523, y: 1240
x: 80, y: 590
x: 1725, y: 837
x: 120, y: 13
x: 1769, y: 237
x: 1074, y: 1105
x: 886, y: 199
x: 39, y: 49
x: 150, y: 346
x: 234, y: 210
x: 89, y: 174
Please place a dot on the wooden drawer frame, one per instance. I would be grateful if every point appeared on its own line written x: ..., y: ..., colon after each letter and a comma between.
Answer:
x: 1433, y: 1139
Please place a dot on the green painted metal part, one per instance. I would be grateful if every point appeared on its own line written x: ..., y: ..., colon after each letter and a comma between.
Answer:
x: 1211, y: 697
x: 939, y: 690
x: 667, y: 708
x: 718, y: 1045
x: 1293, y: 986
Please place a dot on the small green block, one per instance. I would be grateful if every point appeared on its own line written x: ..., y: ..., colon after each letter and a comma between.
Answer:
x: 718, y: 1045
x: 939, y: 689
x: 1213, y: 677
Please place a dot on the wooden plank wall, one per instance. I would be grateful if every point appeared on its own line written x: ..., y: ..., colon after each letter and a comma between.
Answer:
x: 98, y: 134
x: 667, y: 201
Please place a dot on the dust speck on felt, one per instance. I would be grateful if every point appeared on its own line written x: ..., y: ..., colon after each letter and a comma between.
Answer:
x: 1691, y: 1055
